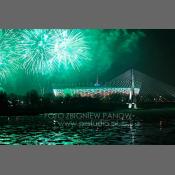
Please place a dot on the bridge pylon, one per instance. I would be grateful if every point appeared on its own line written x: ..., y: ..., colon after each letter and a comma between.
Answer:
x: 132, y: 103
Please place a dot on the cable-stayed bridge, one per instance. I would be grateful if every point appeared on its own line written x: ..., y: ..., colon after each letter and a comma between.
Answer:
x: 143, y: 87
x: 137, y: 86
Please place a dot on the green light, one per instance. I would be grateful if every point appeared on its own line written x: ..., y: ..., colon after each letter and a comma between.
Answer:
x: 8, y: 63
x: 61, y: 54
x: 45, y: 51
x: 69, y: 49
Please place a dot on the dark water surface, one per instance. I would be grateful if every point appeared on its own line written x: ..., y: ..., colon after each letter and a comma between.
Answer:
x: 118, y: 128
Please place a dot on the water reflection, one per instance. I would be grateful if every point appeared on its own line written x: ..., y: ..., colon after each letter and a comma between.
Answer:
x: 43, y: 130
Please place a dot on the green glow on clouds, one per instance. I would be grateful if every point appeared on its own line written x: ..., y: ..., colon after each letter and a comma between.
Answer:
x: 59, y: 52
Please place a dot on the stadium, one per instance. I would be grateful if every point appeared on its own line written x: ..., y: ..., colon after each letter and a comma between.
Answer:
x: 130, y: 84
x: 98, y: 89
x: 93, y: 91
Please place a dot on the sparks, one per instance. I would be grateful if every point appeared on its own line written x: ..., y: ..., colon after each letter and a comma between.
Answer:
x: 43, y: 51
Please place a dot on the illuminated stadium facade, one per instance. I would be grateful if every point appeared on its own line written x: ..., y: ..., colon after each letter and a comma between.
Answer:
x: 131, y: 83
x: 93, y: 91
x: 115, y: 86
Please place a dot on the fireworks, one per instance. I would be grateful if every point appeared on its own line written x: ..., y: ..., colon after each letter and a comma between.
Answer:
x: 59, y: 54
x: 68, y: 49
x: 4, y: 70
x: 43, y: 51
x: 8, y: 64
x: 32, y: 50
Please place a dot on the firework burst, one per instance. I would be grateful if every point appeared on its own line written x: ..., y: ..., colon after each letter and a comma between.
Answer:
x: 43, y: 51
x: 32, y: 50
x: 8, y: 66
x: 69, y: 49
x: 8, y: 63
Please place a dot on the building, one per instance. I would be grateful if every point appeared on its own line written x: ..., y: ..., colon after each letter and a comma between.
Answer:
x: 93, y: 91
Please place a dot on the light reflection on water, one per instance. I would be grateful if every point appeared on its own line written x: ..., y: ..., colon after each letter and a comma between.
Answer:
x: 43, y: 130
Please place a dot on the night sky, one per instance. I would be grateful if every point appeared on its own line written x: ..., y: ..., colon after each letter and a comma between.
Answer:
x: 149, y: 51
x: 155, y: 56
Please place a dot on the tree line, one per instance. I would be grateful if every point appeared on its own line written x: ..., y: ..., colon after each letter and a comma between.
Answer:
x: 32, y: 103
